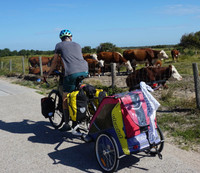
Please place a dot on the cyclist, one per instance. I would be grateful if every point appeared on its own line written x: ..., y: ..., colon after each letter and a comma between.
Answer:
x: 74, y: 66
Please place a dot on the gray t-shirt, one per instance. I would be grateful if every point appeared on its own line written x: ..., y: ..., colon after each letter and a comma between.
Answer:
x: 72, y: 57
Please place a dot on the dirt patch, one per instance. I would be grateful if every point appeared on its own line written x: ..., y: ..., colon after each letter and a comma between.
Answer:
x: 120, y: 81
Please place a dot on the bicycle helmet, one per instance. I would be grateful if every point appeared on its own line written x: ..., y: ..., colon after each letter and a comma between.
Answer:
x: 65, y: 33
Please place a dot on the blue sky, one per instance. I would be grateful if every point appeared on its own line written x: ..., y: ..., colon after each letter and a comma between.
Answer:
x: 35, y: 24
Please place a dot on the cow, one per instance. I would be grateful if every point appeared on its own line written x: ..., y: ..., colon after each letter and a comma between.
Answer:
x: 95, y: 66
x: 114, y: 57
x: 34, y: 61
x: 175, y: 53
x: 160, y: 54
x: 146, y: 55
x: 90, y: 56
x: 36, y: 70
x: 158, y: 63
x: 152, y: 75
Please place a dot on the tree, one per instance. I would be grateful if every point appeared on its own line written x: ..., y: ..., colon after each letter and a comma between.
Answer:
x: 105, y: 47
x: 191, y: 40
x: 87, y: 49
x: 5, y: 52
x: 108, y: 47
x: 22, y: 52
x: 14, y: 53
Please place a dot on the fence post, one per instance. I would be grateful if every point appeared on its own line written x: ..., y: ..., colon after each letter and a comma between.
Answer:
x: 23, y: 67
x: 113, y: 73
x: 10, y: 65
x: 41, y: 70
x: 196, y: 84
x: 1, y: 65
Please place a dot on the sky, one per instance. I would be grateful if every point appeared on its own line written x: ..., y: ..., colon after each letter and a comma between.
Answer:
x: 36, y: 24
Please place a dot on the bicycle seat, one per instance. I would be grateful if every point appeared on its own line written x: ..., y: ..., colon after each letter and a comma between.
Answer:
x: 79, y: 80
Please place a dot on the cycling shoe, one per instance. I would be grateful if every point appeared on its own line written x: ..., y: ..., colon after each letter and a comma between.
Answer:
x: 75, y: 131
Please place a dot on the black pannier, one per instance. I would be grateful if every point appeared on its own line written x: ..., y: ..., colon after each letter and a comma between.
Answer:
x: 47, y: 106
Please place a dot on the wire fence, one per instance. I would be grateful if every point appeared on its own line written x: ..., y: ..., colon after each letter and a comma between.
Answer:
x: 188, y: 87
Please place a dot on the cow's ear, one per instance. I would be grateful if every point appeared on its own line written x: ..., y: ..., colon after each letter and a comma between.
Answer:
x: 170, y: 66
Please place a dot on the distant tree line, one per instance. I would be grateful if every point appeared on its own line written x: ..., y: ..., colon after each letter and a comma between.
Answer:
x: 191, y: 40
x: 103, y: 47
x: 23, y: 52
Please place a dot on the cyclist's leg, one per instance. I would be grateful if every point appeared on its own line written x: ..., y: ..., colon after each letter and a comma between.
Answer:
x: 66, y: 90
x: 69, y: 85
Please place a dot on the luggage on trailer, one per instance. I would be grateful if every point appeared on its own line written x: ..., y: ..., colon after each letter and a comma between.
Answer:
x: 126, y: 117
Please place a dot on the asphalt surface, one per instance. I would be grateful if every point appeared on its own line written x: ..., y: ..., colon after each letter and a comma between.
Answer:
x: 28, y: 143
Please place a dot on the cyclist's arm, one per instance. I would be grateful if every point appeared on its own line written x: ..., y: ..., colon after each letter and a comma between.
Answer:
x: 53, y: 64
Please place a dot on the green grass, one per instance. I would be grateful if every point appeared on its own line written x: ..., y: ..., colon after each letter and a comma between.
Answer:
x: 184, y: 128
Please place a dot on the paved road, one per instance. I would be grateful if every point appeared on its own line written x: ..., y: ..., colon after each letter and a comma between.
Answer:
x: 29, y: 144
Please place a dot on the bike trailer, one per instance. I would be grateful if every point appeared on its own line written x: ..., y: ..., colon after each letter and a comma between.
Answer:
x: 125, y: 117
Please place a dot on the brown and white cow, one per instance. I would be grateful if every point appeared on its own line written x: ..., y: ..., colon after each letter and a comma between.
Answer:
x: 175, y: 53
x: 114, y: 57
x: 152, y: 75
x: 90, y: 56
x: 94, y: 66
x: 34, y: 61
x: 146, y: 55
x: 36, y: 70
x: 160, y: 54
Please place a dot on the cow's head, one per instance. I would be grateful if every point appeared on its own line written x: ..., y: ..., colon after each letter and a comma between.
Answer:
x: 94, y: 56
x: 175, y: 73
x: 162, y: 55
x: 128, y: 66
x: 177, y: 53
x: 101, y: 63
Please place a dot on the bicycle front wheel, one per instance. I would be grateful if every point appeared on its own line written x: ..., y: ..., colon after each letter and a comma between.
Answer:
x: 57, y: 118
x: 107, y: 153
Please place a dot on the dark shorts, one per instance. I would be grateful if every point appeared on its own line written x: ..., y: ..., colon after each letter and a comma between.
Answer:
x: 69, y: 82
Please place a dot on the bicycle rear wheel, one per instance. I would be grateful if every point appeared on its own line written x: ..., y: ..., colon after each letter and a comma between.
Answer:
x: 57, y: 118
x: 107, y: 152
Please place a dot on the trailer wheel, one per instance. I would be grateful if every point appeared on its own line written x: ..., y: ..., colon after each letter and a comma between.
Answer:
x: 107, y: 152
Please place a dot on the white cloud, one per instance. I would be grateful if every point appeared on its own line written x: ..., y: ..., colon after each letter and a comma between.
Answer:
x: 180, y: 9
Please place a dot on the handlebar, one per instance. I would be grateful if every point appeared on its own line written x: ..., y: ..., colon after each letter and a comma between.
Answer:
x: 58, y: 72
x: 78, y: 80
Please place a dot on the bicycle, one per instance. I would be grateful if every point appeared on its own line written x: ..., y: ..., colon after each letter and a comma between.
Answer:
x: 57, y: 118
